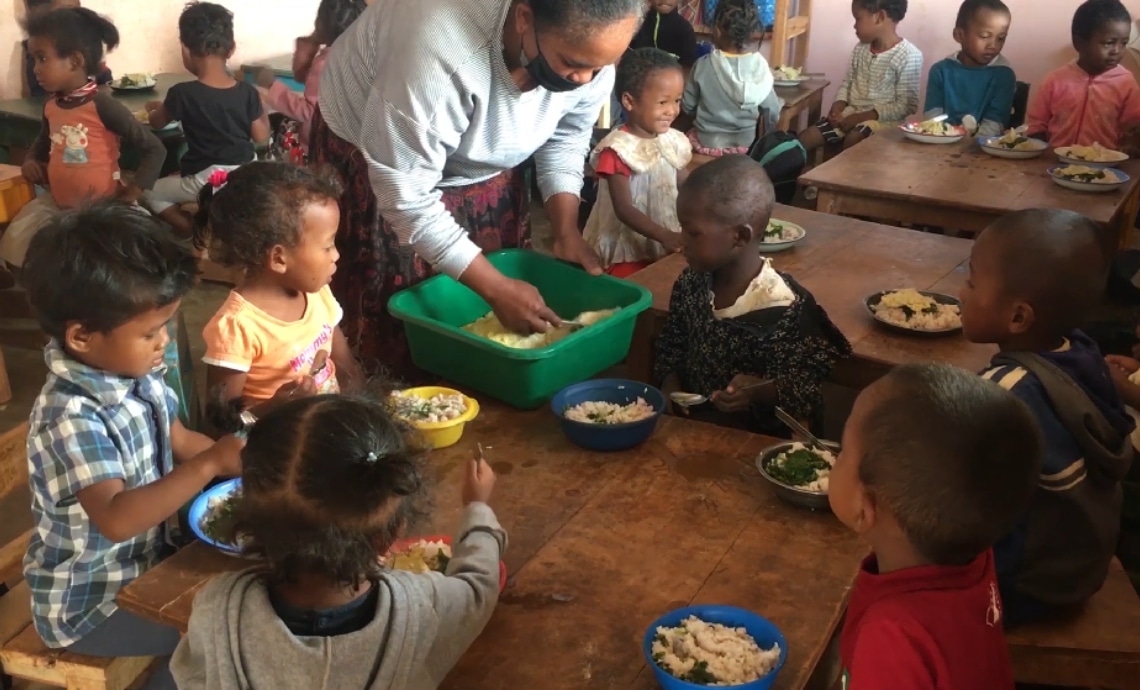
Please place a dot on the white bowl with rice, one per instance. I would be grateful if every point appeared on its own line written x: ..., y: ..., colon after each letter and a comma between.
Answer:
x: 781, y: 236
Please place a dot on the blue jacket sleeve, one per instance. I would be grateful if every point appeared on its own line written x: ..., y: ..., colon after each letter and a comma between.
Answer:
x: 1000, y: 104
x: 935, y: 90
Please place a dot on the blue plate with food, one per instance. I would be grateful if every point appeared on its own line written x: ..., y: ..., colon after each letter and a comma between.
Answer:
x: 212, y: 516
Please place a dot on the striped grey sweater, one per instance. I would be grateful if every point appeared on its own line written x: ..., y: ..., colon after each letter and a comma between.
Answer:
x: 421, y: 88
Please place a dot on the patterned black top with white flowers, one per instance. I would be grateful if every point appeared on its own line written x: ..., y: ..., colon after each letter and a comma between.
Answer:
x: 795, y: 346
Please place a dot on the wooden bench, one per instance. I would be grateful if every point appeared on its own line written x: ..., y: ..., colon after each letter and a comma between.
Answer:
x: 22, y: 653
x: 1099, y: 648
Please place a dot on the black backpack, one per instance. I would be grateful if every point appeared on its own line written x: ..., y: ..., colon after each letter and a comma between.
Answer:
x: 783, y: 158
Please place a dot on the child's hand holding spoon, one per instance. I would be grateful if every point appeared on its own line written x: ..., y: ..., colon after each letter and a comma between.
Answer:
x: 480, y: 482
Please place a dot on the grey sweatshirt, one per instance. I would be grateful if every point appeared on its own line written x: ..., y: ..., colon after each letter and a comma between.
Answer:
x: 423, y: 624
x: 727, y: 94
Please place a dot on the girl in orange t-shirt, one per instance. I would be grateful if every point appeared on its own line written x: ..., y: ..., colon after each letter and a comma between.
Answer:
x: 278, y: 333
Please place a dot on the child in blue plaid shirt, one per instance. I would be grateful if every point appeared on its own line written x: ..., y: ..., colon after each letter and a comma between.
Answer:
x: 109, y: 460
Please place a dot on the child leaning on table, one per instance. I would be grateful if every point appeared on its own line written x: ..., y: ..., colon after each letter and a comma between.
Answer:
x: 936, y: 466
x: 975, y: 85
x: 329, y: 484
x: 1034, y: 276
x: 221, y: 117
x: 76, y: 153
x: 110, y: 463
x: 309, y: 57
x: 634, y: 221
x: 1093, y: 100
x: 882, y: 82
x: 280, y: 327
x: 733, y: 320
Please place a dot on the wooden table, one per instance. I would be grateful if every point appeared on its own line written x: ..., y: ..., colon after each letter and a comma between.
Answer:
x: 841, y: 261
x: 600, y: 545
x: 807, y: 97
x: 956, y: 186
x: 20, y: 121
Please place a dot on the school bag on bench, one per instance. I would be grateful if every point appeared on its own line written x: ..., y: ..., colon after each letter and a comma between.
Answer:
x: 783, y: 158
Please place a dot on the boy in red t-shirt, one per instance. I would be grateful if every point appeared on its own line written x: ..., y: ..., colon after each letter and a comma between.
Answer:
x: 937, y: 464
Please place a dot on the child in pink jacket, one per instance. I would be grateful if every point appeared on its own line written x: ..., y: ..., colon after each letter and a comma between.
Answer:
x: 309, y: 57
x: 1093, y: 100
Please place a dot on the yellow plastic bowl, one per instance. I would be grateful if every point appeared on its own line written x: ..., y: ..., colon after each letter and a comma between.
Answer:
x: 443, y: 434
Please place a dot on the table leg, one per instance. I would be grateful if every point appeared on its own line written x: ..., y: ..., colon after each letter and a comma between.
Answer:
x: 5, y: 384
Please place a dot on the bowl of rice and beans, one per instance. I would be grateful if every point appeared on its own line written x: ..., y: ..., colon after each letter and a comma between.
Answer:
x: 436, y: 412
x: 916, y: 311
x: 608, y: 414
x: 798, y: 473
x: 713, y: 645
x: 781, y: 236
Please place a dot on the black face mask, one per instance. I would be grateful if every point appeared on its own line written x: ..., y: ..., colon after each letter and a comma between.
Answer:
x: 544, y: 75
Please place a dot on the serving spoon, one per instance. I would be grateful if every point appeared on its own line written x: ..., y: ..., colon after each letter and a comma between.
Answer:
x: 798, y: 428
x: 693, y: 399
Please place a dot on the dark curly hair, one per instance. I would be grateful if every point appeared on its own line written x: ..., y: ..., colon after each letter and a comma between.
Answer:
x: 75, y: 31
x: 894, y: 9
x: 328, y: 484
x: 969, y: 8
x: 577, y: 18
x: 1094, y: 15
x: 257, y: 208
x: 635, y: 67
x: 737, y: 21
x: 335, y: 16
x: 207, y: 29
x: 102, y: 266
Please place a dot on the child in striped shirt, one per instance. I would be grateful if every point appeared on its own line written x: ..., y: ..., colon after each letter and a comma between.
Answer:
x: 882, y: 83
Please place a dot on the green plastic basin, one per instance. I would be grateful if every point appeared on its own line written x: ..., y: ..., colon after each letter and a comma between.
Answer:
x: 435, y: 311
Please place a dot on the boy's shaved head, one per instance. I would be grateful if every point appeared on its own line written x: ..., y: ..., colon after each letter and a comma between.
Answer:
x: 1051, y: 258
x: 736, y: 189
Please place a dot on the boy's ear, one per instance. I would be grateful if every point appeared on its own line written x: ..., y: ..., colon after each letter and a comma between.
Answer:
x: 77, y: 338
x: 1023, y: 318
x: 959, y: 34
x: 743, y: 235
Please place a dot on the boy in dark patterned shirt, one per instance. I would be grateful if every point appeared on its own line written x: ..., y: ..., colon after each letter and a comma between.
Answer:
x: 749, y: 337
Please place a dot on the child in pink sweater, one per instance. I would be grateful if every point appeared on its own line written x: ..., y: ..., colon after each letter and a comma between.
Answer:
x: 1093, y: 100
x: 309, y: 56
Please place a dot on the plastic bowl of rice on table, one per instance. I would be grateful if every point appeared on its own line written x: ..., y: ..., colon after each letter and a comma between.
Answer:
x: 438, y: 413
x: 211, y: 516
x: 714, y: 645
x: 608, y: 414
x: 1086, y: 178
x: 1095, y: 156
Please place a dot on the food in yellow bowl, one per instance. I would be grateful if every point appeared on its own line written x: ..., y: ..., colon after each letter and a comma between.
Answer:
x: 438, y: 413
x: 492, y: 329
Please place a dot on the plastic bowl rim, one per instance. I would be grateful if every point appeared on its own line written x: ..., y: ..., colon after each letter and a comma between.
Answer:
x: 471, y: 413
x: 561, y: 414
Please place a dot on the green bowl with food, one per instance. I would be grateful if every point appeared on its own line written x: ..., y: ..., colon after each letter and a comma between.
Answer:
x: 799, y: 473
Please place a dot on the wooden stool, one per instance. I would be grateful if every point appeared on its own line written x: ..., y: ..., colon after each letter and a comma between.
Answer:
x: 1099, y: 648
x: 22, y: 653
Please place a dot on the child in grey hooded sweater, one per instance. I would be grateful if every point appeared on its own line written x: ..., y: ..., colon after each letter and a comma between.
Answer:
x: 732, y: 88
x: 329, y: 483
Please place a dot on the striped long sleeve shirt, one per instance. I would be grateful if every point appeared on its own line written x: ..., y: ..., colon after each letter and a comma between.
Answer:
x: 887, y: 82
x: 422, y: 89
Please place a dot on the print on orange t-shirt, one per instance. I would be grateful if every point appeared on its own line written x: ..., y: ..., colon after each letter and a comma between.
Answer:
x: 272, y: 352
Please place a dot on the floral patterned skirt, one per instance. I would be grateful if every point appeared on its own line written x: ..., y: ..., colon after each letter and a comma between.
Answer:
x: 374, y: 265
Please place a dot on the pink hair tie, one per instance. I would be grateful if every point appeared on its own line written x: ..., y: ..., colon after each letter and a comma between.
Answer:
x: 218, y: 179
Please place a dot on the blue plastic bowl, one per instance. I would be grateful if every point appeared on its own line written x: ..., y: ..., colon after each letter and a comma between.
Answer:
x: 761, y: 629
x: 198, y: 512
x: 607, y: 437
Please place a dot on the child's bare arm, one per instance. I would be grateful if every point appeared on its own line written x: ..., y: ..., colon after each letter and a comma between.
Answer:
x: 349, y: 374
x: 120, y: 513
x: 259, y: 130
x: 634, y: 219
x: 186, y: 444
x: 158, y: 114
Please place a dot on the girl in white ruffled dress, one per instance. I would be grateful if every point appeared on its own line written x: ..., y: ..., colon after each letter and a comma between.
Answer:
x: 634, y: 221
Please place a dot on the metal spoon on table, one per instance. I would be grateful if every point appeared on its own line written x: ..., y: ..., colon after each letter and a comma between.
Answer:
x: 693, y: 399
x: 800, y: 429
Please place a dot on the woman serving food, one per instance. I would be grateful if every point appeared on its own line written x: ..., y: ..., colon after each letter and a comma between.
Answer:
x: 426, y: 110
